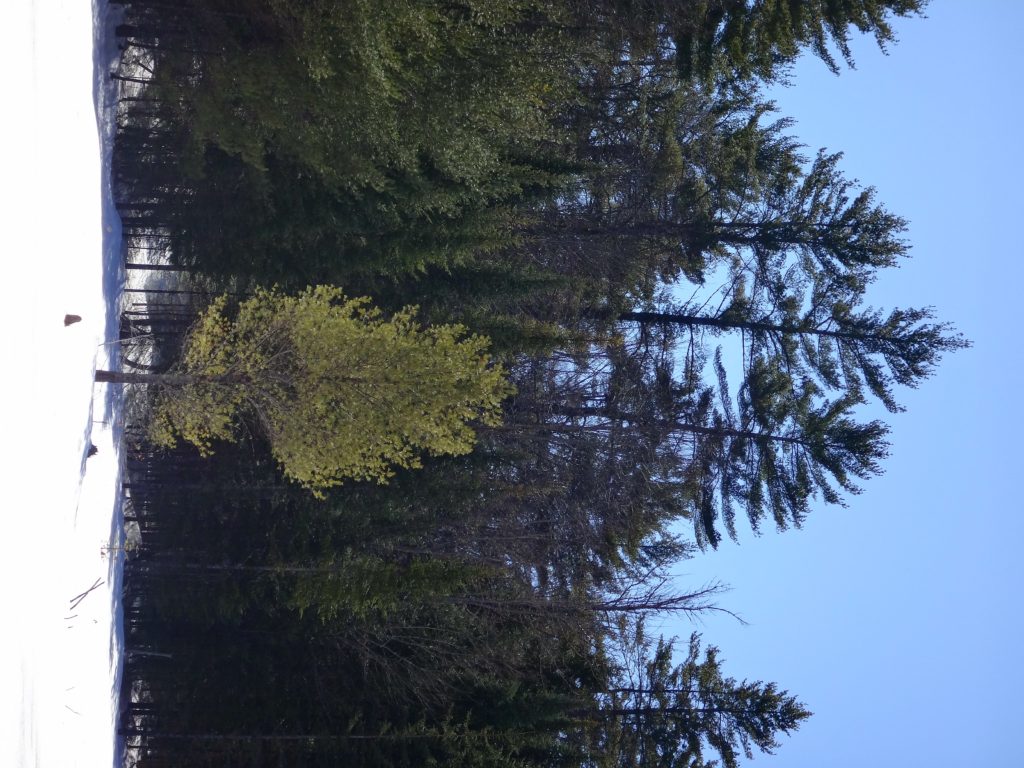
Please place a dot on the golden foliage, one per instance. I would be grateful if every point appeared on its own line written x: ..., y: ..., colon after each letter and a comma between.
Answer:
x: 340, y: 392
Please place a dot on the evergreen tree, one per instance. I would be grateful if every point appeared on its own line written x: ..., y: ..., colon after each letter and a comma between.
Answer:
x: 327, y: 140
x: 748, y: 38
x: 782, y: 442
x: 844, y: 348
x: 658, y: 713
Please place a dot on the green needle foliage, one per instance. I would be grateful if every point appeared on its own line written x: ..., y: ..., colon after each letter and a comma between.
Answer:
x: 659, y: 713
x: 340, y: 392
x: 677, y: 291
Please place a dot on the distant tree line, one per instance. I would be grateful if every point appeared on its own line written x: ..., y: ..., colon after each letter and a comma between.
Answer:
x: 672, y: 288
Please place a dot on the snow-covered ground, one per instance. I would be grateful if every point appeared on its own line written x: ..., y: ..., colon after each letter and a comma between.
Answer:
x: 59, y: 243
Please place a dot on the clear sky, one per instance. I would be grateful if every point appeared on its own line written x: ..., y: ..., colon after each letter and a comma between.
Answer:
x: 897, y: 620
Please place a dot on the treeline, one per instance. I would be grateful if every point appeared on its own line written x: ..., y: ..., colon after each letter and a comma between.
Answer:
x: 676, y: 290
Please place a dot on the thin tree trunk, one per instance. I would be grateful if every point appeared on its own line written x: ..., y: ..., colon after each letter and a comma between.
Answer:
x: 157, y: 267
x: 679, y: 426
x: 671, y: 318
x: 166, y: 379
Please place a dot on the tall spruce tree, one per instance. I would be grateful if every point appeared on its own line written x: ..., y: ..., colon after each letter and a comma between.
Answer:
x: 769, y: 448
x: 747, y: 38
x: 845, y: 349
x: 657, y: 712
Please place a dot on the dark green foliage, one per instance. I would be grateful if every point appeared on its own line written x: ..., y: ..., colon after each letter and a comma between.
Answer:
x: 677, y: 292
x: 322, y: 140
x: 660, y: 713
x: 842, y: 348
x: 758, y: 39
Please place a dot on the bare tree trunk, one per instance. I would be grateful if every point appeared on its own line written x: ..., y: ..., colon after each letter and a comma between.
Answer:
x: 157, y: 267
x: 166, y: 379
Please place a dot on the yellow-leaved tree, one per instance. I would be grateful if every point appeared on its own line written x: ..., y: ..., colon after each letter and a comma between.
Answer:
x: 339, y: 391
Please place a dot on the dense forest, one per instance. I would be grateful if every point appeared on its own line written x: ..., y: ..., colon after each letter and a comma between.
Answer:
x: 474, y: 319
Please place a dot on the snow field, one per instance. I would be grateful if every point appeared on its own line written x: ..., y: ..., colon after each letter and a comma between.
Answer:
x: 57, y: 665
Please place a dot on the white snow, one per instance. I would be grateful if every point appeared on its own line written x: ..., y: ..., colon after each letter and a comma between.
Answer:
x: 60, y: 254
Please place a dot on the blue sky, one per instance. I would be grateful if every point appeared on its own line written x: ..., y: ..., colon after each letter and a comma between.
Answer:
x: 896, y: 620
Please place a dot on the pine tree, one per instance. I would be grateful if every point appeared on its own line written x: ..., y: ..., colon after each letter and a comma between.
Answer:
x: 751, y: 39
x: 845, y: 349
x: 769, y: 448
x: 817, y: 222
x: 657, y: 713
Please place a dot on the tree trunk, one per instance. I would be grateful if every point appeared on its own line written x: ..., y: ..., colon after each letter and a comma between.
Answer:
x: 675, y: 426
x: 672, y: 318
x: 166, y: 379
x: 157, y: 267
